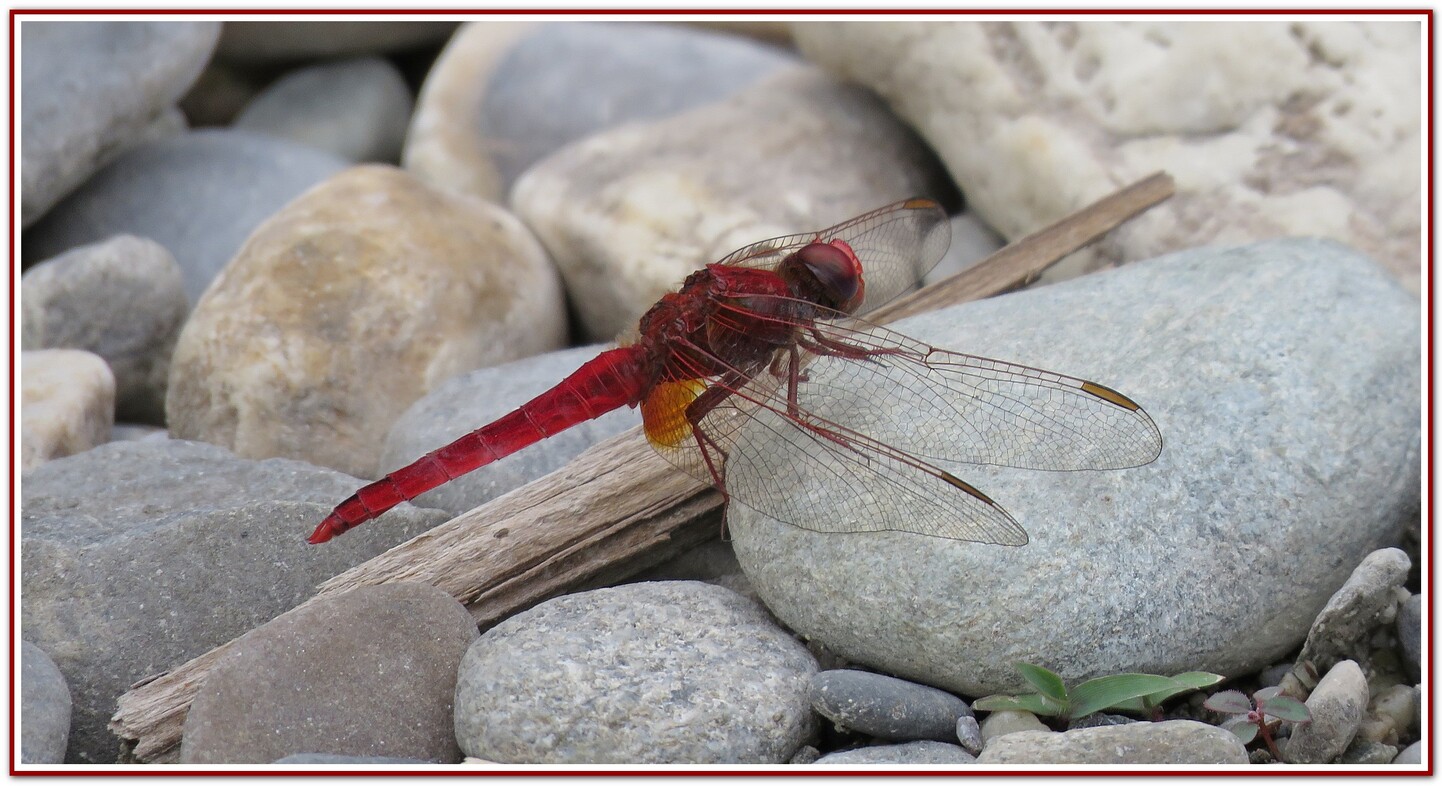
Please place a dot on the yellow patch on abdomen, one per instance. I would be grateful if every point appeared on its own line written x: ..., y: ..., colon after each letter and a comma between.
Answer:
x: 664, y: 411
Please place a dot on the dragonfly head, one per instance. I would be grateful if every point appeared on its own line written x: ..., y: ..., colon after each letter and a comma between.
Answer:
x: 828, y: 274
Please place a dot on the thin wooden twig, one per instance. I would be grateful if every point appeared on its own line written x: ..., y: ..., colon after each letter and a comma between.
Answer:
x: 614, y: 510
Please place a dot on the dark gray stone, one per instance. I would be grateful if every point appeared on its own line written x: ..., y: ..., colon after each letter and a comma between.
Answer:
x: 1409, y: 635
x: 1168, y: 742
x: 468, y: 401
x: 968, y: 733
x: 198, y: 194
x: 1365, y: 752
x: 658, y: 672
x: 357, y: 109
x: 44, y: 708
x: 920, y: 752
x: 368, y: 673
x: 886, y: 707
x: 121, y: 299
x: 94, y: 89
x: 284, y: 41
x: 1303, y: 347
x: 141, y: 555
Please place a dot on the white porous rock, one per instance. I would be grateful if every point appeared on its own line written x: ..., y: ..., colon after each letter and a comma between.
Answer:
x: 67, y: 404
x: 1270, y: 127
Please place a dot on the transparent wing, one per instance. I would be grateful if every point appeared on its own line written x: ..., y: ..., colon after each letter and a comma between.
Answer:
x: 832, y: 433
x: 897, y: 245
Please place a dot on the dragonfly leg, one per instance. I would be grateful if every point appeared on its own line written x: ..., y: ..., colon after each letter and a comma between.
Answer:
x: 823, y: 345
x: 711, y: 451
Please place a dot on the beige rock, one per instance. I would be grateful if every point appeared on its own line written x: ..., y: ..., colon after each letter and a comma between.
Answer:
x: 1270, y: 128
x: 348, y: 305
x: 440, y: 150
x: 627, y: 214
x: 67, y: 404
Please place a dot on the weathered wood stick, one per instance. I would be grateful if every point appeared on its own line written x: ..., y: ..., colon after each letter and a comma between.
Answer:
x: 616, y: 509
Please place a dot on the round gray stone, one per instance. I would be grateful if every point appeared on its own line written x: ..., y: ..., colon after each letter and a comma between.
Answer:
x: 330, y: 758
x: 141, y: 555
x: 198, y: 194
x: 368, y: 673
x: 1412, y: 754
x: 968, y: 733
x: 1305, y: 347
x: 93, y: 90
x: 357, y: 109
x: 1336, y: 707
x: 1168, y: 742
x: 469, y: 401
x: 886, y: 707
x: 44, y: 708
x: 919, y: 752
x: 656, y: 672
x: 121, y: 299
x: 492, y: 108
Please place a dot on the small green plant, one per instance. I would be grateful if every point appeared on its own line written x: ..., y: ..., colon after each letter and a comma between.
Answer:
x: 1138, y: 693
x: 1261, y: 715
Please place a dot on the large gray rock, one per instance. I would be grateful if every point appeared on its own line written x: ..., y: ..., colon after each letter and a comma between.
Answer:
x: 95, y: 89
x: 1169, y: 742
x: 357, y: 109
x: 503, y: 95
x: 198, y: 194
x: 1271, y: 128
x: 368, y: 673
x: 1409, y: 634
x: 44, y: 708
x: 121, y: 299
x: 1284, y: 377
x: 469, y: 401
x: 657, y: 672
x: 141, y: 555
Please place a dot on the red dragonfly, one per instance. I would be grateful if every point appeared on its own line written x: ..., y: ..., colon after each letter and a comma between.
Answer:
x: 760, y: 359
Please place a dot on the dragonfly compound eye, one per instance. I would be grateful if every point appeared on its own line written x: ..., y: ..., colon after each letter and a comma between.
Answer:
x: 835, y: 275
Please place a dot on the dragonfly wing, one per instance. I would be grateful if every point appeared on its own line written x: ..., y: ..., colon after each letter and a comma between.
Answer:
x: 809, y: 472
x: 970, y: 409
x: 897, y: 245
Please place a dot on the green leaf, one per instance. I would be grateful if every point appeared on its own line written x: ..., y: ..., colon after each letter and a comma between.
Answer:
x: 1046, y: 682
x: 1103, y: 692
x: 1267, y: 693
x: 1034, y: 703
x: 997, y: 704
x: 1198, y: 679
x: 1229, y: 701
x: 1286, y: 708
x: 1186, y: 681
x: 1245, y: 730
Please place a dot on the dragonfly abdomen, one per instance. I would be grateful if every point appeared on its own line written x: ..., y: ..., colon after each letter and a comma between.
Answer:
x: 611, y: 380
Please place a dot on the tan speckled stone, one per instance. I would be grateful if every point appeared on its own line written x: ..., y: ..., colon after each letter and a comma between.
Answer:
x: 348, y: 305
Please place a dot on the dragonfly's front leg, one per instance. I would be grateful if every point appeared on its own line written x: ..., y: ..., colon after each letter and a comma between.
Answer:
x: 823, y: 345
x: 697, y: 411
